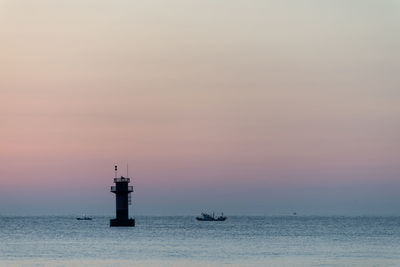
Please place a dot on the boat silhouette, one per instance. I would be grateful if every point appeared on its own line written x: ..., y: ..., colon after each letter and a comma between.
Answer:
x: 208, y: 217
x: 84, y: 218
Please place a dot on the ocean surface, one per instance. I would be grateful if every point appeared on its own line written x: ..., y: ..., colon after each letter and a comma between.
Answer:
x: 183, y: 241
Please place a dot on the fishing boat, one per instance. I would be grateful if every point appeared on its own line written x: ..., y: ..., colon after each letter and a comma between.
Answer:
x: 84, y: 218
x: 209, y: 217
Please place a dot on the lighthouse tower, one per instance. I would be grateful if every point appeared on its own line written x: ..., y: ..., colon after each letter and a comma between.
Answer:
x: 122, y: 201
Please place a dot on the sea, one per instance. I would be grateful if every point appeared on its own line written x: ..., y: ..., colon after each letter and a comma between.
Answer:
x: 183, y: 241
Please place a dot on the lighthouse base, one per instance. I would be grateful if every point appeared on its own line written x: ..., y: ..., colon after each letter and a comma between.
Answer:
x: 117, y: 222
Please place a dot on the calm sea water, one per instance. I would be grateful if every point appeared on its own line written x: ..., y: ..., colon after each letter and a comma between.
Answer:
x: 182, y: 241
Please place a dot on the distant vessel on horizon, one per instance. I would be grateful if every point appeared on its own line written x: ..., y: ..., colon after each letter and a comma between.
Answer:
x: 208, y: 217
x: 84, y: 218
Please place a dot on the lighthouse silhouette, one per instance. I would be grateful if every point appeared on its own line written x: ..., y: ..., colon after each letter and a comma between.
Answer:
x: 122, y: 193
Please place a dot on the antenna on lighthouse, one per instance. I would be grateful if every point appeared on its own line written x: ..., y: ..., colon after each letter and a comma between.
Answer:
x: 127, y: 171
x: 116, y: 169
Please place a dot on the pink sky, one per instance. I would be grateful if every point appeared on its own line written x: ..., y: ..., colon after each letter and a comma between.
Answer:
x: 260, y: 107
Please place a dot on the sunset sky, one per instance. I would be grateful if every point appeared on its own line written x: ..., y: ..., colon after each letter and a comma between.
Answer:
x: 246, y: 107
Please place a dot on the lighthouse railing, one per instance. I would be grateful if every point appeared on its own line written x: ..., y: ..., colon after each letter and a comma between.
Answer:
x: 114, y: 189
x: 122, y: 179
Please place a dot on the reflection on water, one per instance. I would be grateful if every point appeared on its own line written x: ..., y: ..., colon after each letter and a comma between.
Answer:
x: 183, y: 241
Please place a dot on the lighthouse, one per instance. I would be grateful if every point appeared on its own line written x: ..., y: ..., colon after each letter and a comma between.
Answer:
x: 122, y: 193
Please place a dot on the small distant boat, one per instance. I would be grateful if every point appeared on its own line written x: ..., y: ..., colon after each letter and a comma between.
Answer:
x: 84, y: 218
x: 208, y: 217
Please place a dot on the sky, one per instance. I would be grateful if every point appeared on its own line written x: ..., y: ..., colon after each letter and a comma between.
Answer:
x: 245, y: 107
